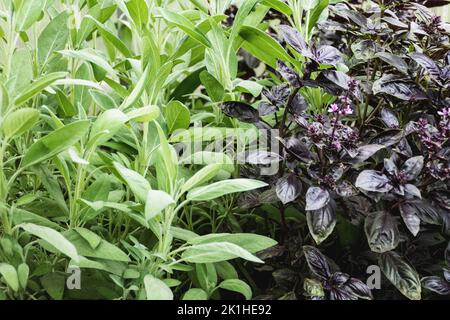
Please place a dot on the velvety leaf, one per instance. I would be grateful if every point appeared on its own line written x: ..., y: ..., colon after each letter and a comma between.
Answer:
x: 137, y: 183
x: 156, y: 202
x: 253, y: 243
x: 55, y: 143
x: 213, y: 87
x: 261, y: 45
x: 381, y: 231
x: 53, y: 38
x: 237, y: 285
x: 82, y: 240
x: 401, y: 275
x: 222, y: 188
x: 107, y: 125
x: 145, y: 114
x: 28, y: 13
x: 316, y: 198
x: 317, y: 262
x: 216, y: 252
x: 195, y: 294
x: 156, y: 289
x: 177, y: 116
x: 9, y: 274
x: 53, y: 237
x: 19, y: 122
x: 202, y: 176
x: 288, y: 188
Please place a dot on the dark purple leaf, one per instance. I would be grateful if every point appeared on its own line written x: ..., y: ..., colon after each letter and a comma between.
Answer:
x: 394, y: 86
x: 412, y: 221
x: 317, y: 262
x: 404, y: 148
x: 436, y: 284
x: 297, y: 148
x: 371, y: 180
x: 321, y: 222
x: 395, y: 22
x: 389, y: 118
x: 412, y: 167
x: 394, y: 61
x: 447, y: 254
x: 337, y: 77
x: 240, y: 111
x: 341, y: 294
x: 345, y: 189
x: 266, y: 108
x: 400, y: 274
x: 338, y: 279
x: 356, y: 17
x: 390, y: 166
x: 447, y: 274
x: 259, y: 157
x: 298, y: 105
x: 288, y: 188
x: 412, y: 190
x: 359, y: 289
x: 284, y: 278
x: 327, y: 55
x: 316, y: 198
x: 277, y: 95
x: 365, y: 152
x: 388, y: 137
x: 381, y: 231
x: 288, y: 74
x: 365, y: 49
x: 427, y: 64
x: 424, y: 211
x: 295, y: 40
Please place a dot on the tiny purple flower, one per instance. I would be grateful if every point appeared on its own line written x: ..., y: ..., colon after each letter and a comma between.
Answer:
x: 444, y: 112
x: 348, y: 110
x: 333, y: 108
